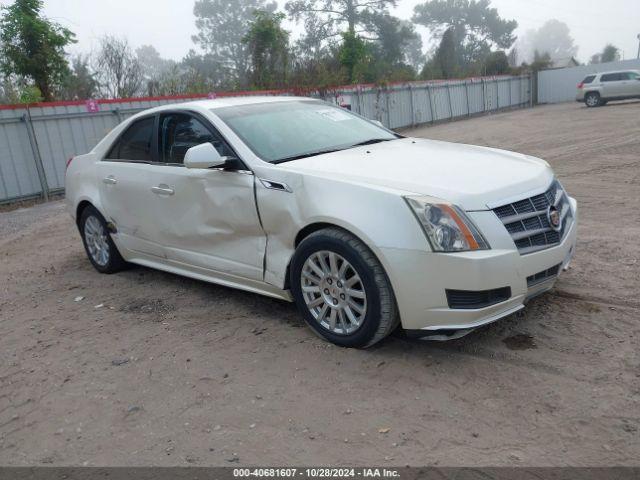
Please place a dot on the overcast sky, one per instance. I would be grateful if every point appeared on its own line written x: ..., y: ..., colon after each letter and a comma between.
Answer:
x: 169, y: 24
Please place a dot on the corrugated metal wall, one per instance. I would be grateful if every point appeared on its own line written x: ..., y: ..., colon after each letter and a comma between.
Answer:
x: 555, y: 86
x: 36, y: 143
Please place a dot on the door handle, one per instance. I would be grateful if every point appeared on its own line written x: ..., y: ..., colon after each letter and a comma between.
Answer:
x: 110, y: 180
x: 163, y: 190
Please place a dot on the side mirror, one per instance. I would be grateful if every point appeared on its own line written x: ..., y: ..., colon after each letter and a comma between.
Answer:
x: 203, y: 156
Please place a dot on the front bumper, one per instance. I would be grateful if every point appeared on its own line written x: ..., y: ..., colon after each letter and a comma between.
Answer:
x: 420, y: 278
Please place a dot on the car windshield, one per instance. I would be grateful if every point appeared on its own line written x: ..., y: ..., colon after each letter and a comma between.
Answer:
x: 282, y: 131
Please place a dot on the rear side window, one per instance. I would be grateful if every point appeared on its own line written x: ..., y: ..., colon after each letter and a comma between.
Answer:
x: 589, y: 79
x: 611, y: 77
x: 135, y: 142
x: 630, y: 75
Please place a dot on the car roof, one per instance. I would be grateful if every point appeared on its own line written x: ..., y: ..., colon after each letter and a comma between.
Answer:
x: 617, y: 71
x: 226, y: 102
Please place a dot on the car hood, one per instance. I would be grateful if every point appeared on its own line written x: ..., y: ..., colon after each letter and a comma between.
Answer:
x: 469, y: 176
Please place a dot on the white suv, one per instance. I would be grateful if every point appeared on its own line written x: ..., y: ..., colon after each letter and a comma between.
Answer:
x: 303, y: 201
x: 597, y: 89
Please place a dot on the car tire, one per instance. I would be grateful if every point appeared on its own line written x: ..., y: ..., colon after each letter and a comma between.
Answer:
x: 592, y: 99
x: 98, y: 244
x: 342, y: 290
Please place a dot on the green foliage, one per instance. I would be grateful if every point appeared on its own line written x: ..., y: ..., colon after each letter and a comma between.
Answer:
x: 353, y: 56
x: 80, y: 82
x: 322, y: 73
x: 610, y: 53
x: 396, y: 42
x: 33, y: 46
x: 541, y: 61
x: 222, y: 24
x: 447, y: 60
x: 496, y: 63
x: 325, y: 21
x: 476, y: 26
x: 30, y: 94
x: 268, y: 45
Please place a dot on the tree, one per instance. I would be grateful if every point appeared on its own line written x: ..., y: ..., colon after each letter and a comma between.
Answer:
x: 118, y: 70
x: 320, y: 72
x: 326, y: 20
x: 9, y: 90
x: 475, y: 26
x: 496, y: 63
x: 222, y: 25
x: 160, y: 75
x: 513, y: 57
x: 396, y: 41
x: 445, y: 63
x: 33, y: 46
x: 80, y: 83
x: 268, y: 45
x: 353, y: 55
x: 541, y: 61
x: 610, y: 53
x: 553, y: 38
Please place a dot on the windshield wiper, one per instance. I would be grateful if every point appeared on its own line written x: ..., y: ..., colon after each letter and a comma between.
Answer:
x: 371, y: 142
x: 306, y: 155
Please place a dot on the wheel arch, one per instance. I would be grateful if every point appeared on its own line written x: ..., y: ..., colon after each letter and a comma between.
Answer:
x: 82, y: 206
x: 318, y: 225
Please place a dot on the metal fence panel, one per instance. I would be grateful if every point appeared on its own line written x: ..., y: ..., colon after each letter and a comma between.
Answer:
x: 555, y: 86
x: 36, y: 143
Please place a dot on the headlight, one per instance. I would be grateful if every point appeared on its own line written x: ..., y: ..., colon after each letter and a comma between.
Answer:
x: 446, y: 226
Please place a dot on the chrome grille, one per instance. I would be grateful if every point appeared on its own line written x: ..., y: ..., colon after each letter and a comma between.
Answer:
x: 527, y: 221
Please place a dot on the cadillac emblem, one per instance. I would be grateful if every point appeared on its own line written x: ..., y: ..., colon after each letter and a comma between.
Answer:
x: 553, y: 215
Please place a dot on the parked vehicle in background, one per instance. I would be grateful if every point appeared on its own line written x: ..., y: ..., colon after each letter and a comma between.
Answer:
x: 304, y: 201
x: 599, y: 88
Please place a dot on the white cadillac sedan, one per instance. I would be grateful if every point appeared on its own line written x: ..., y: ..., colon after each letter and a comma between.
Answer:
x: 303, y: 201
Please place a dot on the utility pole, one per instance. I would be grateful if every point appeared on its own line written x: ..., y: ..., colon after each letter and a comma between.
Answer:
x: 639, y: 46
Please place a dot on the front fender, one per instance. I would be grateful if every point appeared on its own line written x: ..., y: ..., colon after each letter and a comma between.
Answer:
x: 379, y: 217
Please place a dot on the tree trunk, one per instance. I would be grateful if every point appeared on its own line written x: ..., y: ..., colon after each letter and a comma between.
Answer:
x: 45, y: 91
x: 351, y: 16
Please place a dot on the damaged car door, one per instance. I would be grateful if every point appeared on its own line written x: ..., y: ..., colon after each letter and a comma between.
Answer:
x: 206, y: 217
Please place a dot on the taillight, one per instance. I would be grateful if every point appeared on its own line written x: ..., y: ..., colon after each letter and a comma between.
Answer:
x: 580, y: 85
x: 69, y: 162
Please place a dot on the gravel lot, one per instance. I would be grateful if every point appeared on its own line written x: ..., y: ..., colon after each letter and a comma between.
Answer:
x: 170, y: 371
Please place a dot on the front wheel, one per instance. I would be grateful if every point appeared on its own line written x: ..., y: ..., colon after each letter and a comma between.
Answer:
x: 342, y: 290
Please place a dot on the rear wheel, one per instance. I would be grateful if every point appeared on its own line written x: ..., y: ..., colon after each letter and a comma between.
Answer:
x: 342, y: 290
x: 101, y: 250
x: 592, y: 99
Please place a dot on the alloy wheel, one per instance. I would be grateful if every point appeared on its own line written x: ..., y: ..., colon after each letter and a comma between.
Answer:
x: 333, y: 292
x: 95, y: 237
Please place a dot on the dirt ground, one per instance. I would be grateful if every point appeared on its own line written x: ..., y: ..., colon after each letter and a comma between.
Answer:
x: 170, y: 371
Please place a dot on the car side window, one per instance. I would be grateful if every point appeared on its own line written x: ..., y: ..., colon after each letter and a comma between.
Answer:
x: 589, y: 79
x: 181, y: 131
x: 611, y: 77
x: 135, y: 142
x: 630, y: 76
